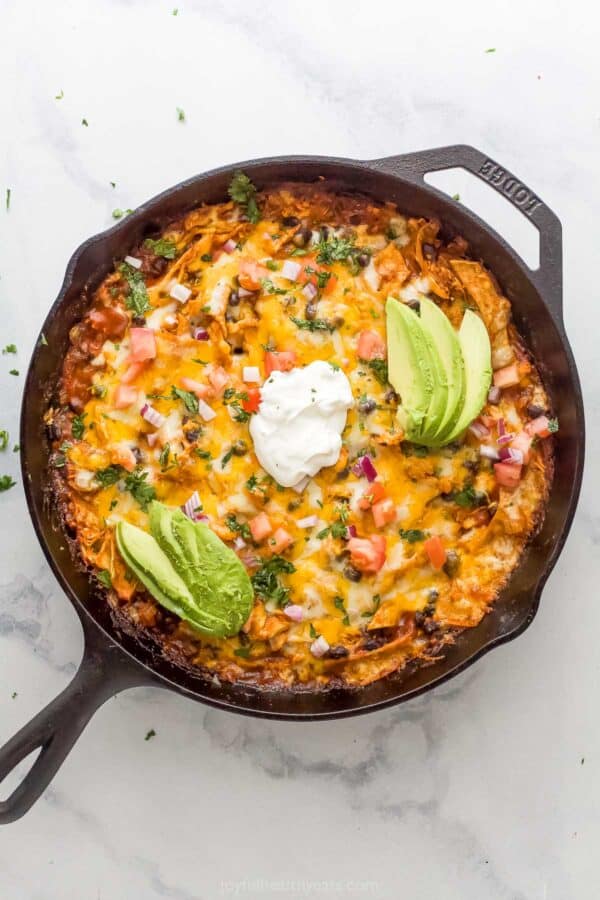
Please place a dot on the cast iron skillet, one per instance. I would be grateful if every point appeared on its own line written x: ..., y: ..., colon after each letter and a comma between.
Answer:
x: 114, y: 661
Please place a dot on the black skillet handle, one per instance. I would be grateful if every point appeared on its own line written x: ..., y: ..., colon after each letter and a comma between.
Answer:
x: 548, y: 278
x: 104, y: 671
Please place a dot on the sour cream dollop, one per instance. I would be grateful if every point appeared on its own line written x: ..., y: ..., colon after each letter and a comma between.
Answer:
x: 297, y: 429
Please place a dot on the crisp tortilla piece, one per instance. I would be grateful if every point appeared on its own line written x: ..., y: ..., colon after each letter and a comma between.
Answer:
x: 494, y: 308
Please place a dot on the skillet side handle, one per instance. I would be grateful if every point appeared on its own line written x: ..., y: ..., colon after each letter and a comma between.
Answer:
x: 104, y: 671
x: 548, y: 277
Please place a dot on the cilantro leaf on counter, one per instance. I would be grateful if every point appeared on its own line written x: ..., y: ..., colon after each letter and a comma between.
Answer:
x: 6, y: 482
x: 10, y: 348
x: 3, y: 439
x: 180, y: 114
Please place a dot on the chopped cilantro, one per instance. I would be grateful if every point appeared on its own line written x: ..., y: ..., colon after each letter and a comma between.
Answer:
x: 226, y: 457
x: 243, y: 192
x: 412, y: 535
x: 469, y: 497
x: 456, y: 197
x: 108, y: 476
x: 371, y: 612
x: 244, y: 652
x: 312, y: 631
x: 338, y: 602
x: 142, y: 492
x: 272, y: 265
x: 241, y: 528
x: 180, y: 114
x: 78, y: 426
x: 379, y: 369
x: 16, y: 448
x: 137, y: 296
x: 6, y: 482
x: 203, y: 454
x: 119, y: 213
x: 13, y: 372
x: 269, y: 288
x: 10, y: 348
x: 162, y: 247
x: 104, y: 578
x: 3, y: 439
x: 206, y: 257
x: 491, y: 50
x: 266, y: 582
x: 190, y: 400
x: 163, y: 459
x: 313, y: 324
x: 553, y: 426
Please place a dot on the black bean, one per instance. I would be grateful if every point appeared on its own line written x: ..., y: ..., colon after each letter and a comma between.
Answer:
x: 139, y: 456
x: 337, y: 652
x: 419, y: 619
x: 452, y: 563
x: 192, y: 434
x: 352, y: 574
x: 391, y: 396
x: 342, y: 474
x: 234, y: 298
x: 430, y: 626
x: 53, y: 431
x: 290, y: 221
x: 302, y: 237
x: 240, y: 448
x: 238, y: 350
x: 374, y: 643
x: 363, y: 259
x: 534, y: 410
x: 429, y: 251
x: 311, y: 310
x: 367, y: 405
x: 414, y: 304
x: 138, y: 321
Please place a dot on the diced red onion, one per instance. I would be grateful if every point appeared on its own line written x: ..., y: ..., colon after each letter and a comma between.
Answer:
x: 179, y: 292
x: 506, y: 438
x: 134, y: 262
x: 251, y: 562
x: 319, y: 647
x: 243, y: 292
x: 307, y: 521
x: 251, y: 374
x: 479, y: 429
x: 301, y: 484
x: 152, y: 415
x: 290, y: 269
x: 494, y: 395
x: 294, y: 612
x: 488, y: 452
x: 366, y: 468
x: 351, y: 532
x: 229, y: 246
x: 192, y: 508
x: 501, y: 427
x: 511, y: 455
x: 207, y: 413
x: 239, y: 543
x: 152, y: 438
x: 201, y: 334
x: 309, y: 291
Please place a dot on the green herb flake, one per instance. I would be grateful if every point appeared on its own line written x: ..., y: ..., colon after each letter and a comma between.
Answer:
x: 6, y: 482
x: 104, y: 578
x: 456, y: 197
x: 10, y: 348
x: 85, y: 122
x: 312, y: 631
x: 368, y: 614
x: 175, y: 12
x: 16, y: 448
x: 136, y: 299
x: 338, y: 602
x: 468, y: 497
x: 4, y: 436
x: 78, y: 426
x: 243, y: 192
x: 243, y: 652
x: 142, y: 492
x: 190, y: 401
x: 120, y: 213
x: 412, y: 535
x: 241, y: 528
x: 110, y: 475
x: 8, y: 193
x: 379, y: 369
x: 60, y: 95
x: 13, y: 371
x: 162, y: 247
x: 266, y: 582
x: 491, y: 50
x: 269, y: 288
x: 150, y: 734
x: 312, y: 324
x: 163, y: 459
x: 553, y: 426
x: 180, y: 114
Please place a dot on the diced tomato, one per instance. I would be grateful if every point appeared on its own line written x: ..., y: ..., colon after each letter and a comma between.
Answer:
x: 112, y: 321
x: 367, y: 554
x: 330, y: 284
x: 384, y: 512
x: 250, y: 274
x: 196, y: 387
x: 507, y: 377
x: 279, y: 361
x: 522, y: 441
x: 253, y: 402
x: 375, y: 492
x: 260, y: 527
x: 219, y: 378
x: 435, y: 551
x: 143, y: 344
x: 280, y: 541
x: 123, y: 455
x: 125, y: 395
x: 371, y: 345
x: 132, y: 372
x: 507, y: 475
x: 539, y: 427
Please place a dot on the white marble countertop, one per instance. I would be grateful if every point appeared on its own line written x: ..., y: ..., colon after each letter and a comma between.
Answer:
x: 486, y: 788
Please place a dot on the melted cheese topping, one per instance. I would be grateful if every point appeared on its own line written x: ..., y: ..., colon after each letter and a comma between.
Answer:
x: 373, y: 614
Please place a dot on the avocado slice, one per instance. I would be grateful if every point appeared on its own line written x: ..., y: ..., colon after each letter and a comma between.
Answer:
x: 411, y: 371
x: 439, y: 399
x: 212, y: 572
x: 446, y: 340
x: 150, y: 565
x: 477, y: 354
